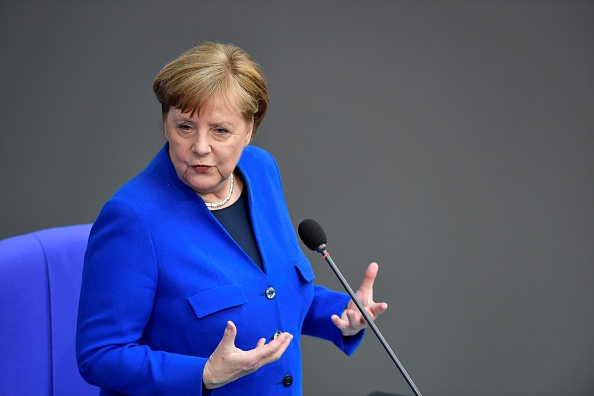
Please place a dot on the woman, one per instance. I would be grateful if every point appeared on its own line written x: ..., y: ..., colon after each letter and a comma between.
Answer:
x: 194, y: 281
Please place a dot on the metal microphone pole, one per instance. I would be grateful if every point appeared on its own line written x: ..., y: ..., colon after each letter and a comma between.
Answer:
x: 322, y: 250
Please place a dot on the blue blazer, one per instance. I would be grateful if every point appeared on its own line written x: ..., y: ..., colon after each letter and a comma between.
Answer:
x: 162, y: 277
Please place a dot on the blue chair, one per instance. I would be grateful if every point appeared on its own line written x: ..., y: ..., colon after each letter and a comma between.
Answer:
x: 40, y: 278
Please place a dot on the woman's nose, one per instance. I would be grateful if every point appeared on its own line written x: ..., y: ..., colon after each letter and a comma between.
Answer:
x: 201, y: 145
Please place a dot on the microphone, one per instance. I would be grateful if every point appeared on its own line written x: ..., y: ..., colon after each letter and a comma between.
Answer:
x: 314, y: 237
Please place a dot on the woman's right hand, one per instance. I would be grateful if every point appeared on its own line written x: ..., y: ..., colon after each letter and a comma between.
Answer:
x: 228, y: 363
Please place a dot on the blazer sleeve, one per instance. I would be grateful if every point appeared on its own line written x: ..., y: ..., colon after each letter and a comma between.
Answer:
x: 317, y: 323
x: 118, y: 288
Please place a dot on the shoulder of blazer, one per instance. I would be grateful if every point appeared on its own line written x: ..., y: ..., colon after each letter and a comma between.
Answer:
x: 260, y: 167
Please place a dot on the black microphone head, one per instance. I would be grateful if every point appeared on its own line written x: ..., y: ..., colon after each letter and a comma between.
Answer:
x: 312, y: 234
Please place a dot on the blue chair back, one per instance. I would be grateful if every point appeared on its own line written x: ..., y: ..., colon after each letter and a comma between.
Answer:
x: 40, y: 278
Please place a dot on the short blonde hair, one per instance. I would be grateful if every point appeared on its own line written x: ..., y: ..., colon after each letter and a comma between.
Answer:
x: 188, y: 81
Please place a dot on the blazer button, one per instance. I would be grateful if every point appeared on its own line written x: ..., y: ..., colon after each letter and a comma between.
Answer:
x: 276, y: 334
x: 288, y: 380
x: 270, y: 293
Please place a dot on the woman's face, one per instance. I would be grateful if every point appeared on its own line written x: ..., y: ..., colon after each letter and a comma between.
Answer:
x: 205, y: 148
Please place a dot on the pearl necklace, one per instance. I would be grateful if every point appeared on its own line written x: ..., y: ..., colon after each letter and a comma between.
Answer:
x: 224, y: 201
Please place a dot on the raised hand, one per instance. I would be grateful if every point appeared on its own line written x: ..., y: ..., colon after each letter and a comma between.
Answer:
x: 228, y: 363
x: 352, y: 321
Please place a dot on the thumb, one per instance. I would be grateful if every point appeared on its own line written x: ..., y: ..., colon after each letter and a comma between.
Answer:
x: 230, y: 333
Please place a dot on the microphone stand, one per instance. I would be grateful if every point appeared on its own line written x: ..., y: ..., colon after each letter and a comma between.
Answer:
x: 322, y: 250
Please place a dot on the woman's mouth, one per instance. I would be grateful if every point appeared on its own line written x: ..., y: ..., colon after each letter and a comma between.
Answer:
x: 201, y: 168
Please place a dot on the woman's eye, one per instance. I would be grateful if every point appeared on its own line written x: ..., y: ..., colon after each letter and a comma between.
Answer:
x: 221, y: 131
x: 185, y: 127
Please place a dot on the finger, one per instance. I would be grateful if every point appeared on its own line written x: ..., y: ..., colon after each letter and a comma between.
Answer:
x: 338, y: 322
x: 350, y: 325
x: 377, y: 309
x: 285, y: 339
x: 285, y: 342
x: 368, y: 279
x: 373, y: 310
x: 272, y: 351
x: 282, y: 337
x: 354, y: 317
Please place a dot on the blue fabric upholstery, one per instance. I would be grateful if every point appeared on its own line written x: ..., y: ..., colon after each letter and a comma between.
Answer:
x: 40, y: 275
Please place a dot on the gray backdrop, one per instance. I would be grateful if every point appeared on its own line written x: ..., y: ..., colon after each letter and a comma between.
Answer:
x: 451, y: 141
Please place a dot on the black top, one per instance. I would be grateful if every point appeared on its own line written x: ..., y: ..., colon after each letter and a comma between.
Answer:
x: 237, y: 222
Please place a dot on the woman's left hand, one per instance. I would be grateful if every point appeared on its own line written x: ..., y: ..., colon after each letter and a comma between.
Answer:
x: 352, y: 321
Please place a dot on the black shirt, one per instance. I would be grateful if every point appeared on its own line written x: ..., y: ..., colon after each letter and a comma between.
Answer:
x: 237, y: 222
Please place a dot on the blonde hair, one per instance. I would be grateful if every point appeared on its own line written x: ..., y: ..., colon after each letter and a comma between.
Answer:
x: 188, y: 81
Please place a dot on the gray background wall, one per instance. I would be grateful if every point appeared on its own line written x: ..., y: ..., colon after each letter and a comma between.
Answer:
x: 451, y: 141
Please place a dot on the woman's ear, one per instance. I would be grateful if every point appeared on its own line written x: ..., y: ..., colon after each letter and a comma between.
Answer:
x: 250, y: 134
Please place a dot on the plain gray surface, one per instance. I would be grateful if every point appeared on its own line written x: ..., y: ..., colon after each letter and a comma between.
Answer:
x: 451, y: 141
